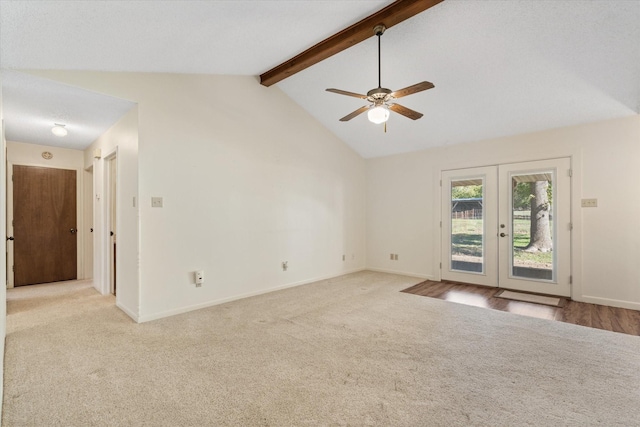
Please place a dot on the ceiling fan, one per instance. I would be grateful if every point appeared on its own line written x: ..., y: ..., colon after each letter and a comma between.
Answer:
x: 381, y: 98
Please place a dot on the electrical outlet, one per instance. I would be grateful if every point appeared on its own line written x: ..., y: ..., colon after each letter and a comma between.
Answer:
x: 156, y: 202
x: 589, y: 203
x: 343, y: 257
x: 199, y: 278
x: 285, y: 265
x: 395, y: 257
x: 391, y: 257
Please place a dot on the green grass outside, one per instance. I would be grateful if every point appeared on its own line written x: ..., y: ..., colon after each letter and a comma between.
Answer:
x: 466, y: 239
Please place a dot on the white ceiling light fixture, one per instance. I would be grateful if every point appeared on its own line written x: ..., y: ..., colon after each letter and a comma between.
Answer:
x: 59, y: 130
x: 379, y: 114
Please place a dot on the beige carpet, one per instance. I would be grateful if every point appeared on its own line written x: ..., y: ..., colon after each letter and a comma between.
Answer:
x: 349, y: 351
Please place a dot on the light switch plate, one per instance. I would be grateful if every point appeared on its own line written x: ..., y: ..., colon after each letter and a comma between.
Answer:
x: 156, y: 202
x: 589, y: 203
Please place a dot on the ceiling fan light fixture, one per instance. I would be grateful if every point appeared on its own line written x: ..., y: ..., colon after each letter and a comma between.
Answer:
x: 379, y: 114
x: 59, y: 130
x: 380, y: 97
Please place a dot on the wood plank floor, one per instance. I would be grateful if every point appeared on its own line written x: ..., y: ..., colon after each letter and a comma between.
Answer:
x: 579, y: 313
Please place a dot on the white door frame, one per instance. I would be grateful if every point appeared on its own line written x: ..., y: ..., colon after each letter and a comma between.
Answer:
x: 106, y: 250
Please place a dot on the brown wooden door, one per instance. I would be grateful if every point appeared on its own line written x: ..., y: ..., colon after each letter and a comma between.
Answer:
x: 44, y: 225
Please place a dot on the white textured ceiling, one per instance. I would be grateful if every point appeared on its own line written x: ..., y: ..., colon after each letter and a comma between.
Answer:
x: 499, y: 67
x: 215, y: 37
x: 32, y: 105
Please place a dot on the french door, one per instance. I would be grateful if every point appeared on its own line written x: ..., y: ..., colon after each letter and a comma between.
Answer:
x: 509, y: 226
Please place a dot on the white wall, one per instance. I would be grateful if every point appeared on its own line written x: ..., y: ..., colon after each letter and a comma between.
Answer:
x: 122, y: 140
x: 20, y: 153
x: 31, y: 155
x: 3, y: 259
x: 248, y: 179
x: 87, y: 207
x: 403, y: 204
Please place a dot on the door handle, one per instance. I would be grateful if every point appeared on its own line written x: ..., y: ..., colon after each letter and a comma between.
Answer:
x: 111, y: 233
x: 503, y: 234
x: 10, y: 238
x: 72, y: 231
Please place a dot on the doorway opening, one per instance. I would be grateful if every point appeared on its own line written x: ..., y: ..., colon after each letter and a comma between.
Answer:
x: 111, y: 192
x: 509, y: 226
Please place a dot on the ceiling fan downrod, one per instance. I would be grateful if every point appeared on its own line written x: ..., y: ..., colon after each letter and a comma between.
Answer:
x: 378, y: 30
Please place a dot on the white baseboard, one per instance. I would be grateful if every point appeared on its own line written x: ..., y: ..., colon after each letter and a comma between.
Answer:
x: 403, y: 273
x: 610, y: 302
x: 173, y: 312
x: 98, y: 288
x: 128, y: 312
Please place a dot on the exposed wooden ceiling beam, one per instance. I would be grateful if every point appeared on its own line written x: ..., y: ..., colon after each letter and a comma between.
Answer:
x: 391, y: 15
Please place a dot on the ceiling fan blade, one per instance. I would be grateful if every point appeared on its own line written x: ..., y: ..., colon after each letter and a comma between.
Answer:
x: 344, y: 92
x: 355, y: 113
x: 418, y: 87
x: 407, y: 112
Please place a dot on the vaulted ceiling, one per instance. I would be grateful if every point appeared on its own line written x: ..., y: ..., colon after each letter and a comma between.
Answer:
x: 499, y: 67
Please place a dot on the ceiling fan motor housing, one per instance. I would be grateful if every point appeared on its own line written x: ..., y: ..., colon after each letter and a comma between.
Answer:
x: 379, y: 95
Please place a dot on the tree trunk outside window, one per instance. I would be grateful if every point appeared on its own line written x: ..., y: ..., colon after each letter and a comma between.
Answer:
x: 540, y: 240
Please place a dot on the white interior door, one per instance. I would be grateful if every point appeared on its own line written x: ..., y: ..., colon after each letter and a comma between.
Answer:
x: 508, y: 226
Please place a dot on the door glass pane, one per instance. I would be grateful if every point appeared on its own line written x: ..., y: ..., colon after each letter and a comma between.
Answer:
x: 467, y: 226
x: 532, y: 225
